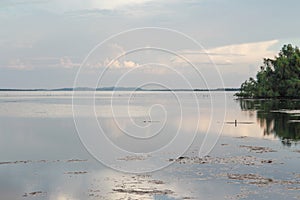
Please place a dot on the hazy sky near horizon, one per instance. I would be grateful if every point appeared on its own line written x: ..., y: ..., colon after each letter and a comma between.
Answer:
x: 43, y: 43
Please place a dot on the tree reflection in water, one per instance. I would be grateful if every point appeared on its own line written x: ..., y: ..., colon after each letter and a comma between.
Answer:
x: 277, y: 117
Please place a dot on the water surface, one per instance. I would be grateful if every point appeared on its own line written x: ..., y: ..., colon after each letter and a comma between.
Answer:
x: 42, y: 156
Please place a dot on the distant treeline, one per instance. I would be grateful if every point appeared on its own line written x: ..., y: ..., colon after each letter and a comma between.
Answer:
x: 120, y: 89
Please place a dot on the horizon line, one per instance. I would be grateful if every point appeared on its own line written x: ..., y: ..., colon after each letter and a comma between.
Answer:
x: 112, y: 88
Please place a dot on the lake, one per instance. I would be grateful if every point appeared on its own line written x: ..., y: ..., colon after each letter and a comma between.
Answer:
x: 148, y: 145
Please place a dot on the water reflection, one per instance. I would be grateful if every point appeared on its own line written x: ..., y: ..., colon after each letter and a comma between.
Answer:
x: 277, y: 117
x: 42, y: 157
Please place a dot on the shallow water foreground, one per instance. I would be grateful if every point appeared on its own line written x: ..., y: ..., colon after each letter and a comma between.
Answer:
x: 42, y: 157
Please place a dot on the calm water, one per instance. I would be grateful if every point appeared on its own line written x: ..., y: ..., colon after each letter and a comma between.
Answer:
x: 252, y: 146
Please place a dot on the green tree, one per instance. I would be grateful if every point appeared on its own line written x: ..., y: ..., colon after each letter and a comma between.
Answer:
x: 277, y: 78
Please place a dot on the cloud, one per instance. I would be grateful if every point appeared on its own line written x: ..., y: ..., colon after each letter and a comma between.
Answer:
x: 19, y: 65
x: 92, y: 12
x: 109, y: 4
x: 24, y: 45
x: 130, y: 64
x: 40, y: 62
x: 91, y: 6
x: 252, y: 52
x: 247, y: 53
x: 113, y: 64
x: 109, y: 53
x: 8, y: 3
x: 120, y: 64
x: 66, y: 62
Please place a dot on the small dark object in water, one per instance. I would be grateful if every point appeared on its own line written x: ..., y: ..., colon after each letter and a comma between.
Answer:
x: 224, y: 144
x: 33, y: 193
x: 76, y: 173
x: 181, y: 157
x: 150, y: 121
x: 266, y: 161
x: 236, y: 123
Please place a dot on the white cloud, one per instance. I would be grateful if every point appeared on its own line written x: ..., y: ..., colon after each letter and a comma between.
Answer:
x: 115, y: 64
x: 66, y: 62
x: 73, y: 5
x: 244, y: 53
x: 247, y: 53
x: 109, y: 54
x: 113, y: 4
x: 130, y: 64
x: 120, y: 64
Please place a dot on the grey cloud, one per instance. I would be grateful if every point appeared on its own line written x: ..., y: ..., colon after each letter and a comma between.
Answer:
x: 94, y: 12
x: 11, y: 3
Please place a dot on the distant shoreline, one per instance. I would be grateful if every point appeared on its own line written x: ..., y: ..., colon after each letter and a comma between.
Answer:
x: 118, y: 89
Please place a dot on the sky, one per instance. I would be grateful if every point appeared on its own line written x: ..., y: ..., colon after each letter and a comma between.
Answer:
x: 195, y: 43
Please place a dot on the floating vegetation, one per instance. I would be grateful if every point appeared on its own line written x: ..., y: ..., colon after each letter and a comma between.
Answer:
x: 243, y: 160
x: 257, y: 149
x: 36, y: 193
x: 39, y: 161
x: 77, y: 172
